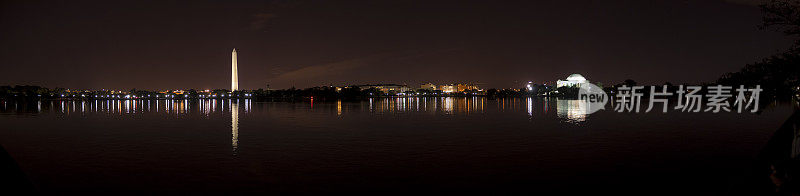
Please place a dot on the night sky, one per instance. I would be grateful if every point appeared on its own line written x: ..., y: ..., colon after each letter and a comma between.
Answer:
x: 187, y: 44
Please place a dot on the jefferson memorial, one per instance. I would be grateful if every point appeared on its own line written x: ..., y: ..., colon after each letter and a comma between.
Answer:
x: 573, y: 80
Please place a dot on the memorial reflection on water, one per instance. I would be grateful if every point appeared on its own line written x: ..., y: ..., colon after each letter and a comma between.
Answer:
x: 574, y: 111
x: 569, y: 111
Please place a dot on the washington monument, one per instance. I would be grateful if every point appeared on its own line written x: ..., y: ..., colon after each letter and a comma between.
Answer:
x: 234, y: 72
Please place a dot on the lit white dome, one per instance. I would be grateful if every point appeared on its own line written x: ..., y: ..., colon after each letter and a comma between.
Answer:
x: 576, y: 78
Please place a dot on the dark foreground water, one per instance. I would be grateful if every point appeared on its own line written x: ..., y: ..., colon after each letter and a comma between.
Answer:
x: 405, y: 145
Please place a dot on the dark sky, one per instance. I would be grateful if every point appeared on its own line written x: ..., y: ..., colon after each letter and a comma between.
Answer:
x: 187, y: 44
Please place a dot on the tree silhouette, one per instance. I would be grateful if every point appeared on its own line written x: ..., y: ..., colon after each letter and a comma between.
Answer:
x: 778, y: 74
x: 782, y: 15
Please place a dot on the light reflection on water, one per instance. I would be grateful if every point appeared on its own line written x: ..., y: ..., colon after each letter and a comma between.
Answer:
x: 570, y: 111
x: 82, y: 107
x: 235, y: 126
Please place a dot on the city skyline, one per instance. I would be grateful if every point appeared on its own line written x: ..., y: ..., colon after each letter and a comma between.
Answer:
x: 439, y: 86
x: 304, y: 44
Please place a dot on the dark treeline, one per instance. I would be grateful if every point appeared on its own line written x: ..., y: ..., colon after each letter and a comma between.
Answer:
x: 26, y: 91
x: 777, y: 74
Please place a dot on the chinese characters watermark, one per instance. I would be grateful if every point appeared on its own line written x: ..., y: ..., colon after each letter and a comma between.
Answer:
x: 689, y: 98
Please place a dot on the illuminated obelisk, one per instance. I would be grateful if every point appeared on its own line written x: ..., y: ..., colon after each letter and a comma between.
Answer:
x: 234, y: 72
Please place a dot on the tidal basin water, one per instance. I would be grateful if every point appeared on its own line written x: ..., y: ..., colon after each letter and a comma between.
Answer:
x: 381, y: 145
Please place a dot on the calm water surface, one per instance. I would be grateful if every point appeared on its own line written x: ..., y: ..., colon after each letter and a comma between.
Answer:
x: 387, y: 145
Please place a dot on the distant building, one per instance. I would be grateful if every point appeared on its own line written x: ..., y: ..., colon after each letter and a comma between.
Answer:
x: 451, y: 88
x: 386, y: 88
x: 574, y: 80
x: 537, y: 89
x: 177, y: 92
x: 530, y: 87
x: 447, y: 88
x: 466, y: 87
x: 428, y: 86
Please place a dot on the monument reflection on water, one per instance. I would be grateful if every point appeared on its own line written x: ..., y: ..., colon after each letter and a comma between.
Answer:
x: 235, y: 126
x: 569, y: 111
x: 573, y: 111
